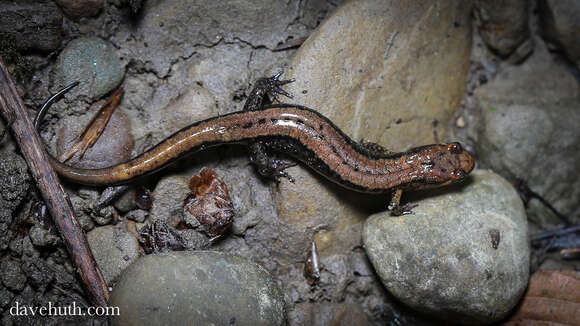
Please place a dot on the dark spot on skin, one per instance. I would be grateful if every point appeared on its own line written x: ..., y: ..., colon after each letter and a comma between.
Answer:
x: 435, y: 123
x: 300, y: 121
x: 344, y: 163
x: 262, y: 121
x: 273, y: 120
x: 398, y: 121
x: 247, y: 125
x: 356, y: 168
x: 321, y: 127
x: 443, y: 170
x: 304, y: 92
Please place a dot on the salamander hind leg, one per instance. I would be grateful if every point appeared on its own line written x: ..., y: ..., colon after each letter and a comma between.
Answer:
x: 267, y: 165
x: 271, y: 86
x: 395, y: 205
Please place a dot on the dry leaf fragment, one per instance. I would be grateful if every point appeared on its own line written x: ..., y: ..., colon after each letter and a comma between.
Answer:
x: 552, y: 298
x: 210, y: 203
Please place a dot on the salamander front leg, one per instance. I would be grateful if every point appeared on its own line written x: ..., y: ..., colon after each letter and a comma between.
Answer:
x: 266, y: 86
x: 395, y: 205
x: 267, y: 165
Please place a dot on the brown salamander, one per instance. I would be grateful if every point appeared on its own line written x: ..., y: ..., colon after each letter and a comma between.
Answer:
x: 301, y: 133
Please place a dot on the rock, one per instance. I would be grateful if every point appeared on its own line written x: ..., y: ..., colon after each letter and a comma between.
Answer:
x: 91, y: 61
x: 463, y: 256
x: 197, y: 288
x: 31, y: 25
x: 542, y: 147
x: 42, y: 237
x: 114, y: 249
x: 126, y: 201
x: 331, y: 314
x: 5, y: 296
x: 137, y: 215
x: 38, y: 272
x: 169, y: 195
x: 76, y: 9
x: 382, y: 78
x: 11, y: 274
x: 195, y: 104
x: 560, y: 22
x: 113, y: 146
x: 161, y: 29
x: 14, y: 182
x: 503, y: 25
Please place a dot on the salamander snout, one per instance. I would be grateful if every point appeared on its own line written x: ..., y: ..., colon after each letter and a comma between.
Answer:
x: 466, y: 162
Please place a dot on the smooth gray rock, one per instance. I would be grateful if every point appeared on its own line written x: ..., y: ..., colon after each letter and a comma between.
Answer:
x: 560, y: 22
x: 529, y: 130
x: 114, y: 249
x: 197, y: 288
x: 445, y: 259
x: 93, y: 62
x: 169, y: 195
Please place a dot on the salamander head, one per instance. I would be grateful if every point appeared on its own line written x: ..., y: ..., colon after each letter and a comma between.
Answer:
x: 451, y: 163
x: 439, y: 165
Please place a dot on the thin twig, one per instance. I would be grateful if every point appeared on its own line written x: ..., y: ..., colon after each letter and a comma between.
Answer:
x: 56, y: 199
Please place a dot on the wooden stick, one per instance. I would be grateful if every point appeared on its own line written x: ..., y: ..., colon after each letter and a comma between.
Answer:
x: 56, y: 199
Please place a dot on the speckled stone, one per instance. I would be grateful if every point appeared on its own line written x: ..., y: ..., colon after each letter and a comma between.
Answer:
x: 197, y: 288
x: 463, y: 256
x: 114, y: 249
x: 91, y: 61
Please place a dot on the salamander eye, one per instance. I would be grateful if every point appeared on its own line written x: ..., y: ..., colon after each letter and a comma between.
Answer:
x: 455, y: 148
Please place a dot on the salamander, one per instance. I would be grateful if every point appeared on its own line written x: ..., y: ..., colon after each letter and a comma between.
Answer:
x: 296, y: 131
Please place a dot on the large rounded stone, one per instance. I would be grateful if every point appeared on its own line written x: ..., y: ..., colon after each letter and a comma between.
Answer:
x: 91, y: 61
x: 197, y: 288
x: 529, y: 130
x: 463, y: 255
